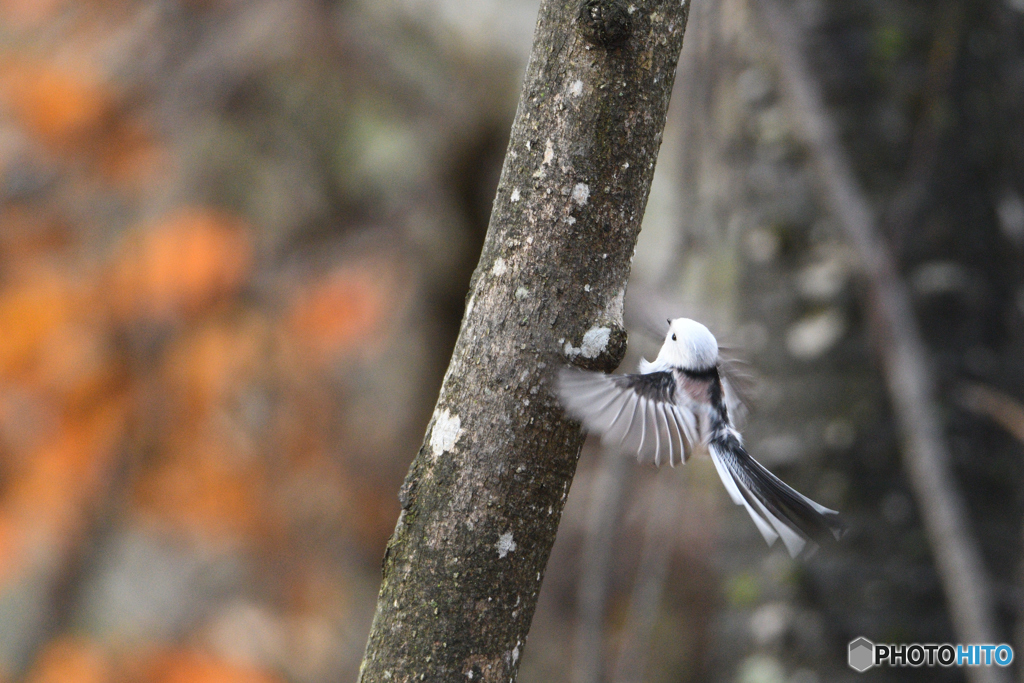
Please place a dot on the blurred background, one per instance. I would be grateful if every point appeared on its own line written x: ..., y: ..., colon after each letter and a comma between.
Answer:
x: 235, y: 243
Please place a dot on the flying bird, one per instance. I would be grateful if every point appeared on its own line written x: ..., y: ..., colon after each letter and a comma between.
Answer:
x: 680, y: 402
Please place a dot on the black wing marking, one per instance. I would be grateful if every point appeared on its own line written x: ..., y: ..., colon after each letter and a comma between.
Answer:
x: 657, y: 386
x: 637, y: 414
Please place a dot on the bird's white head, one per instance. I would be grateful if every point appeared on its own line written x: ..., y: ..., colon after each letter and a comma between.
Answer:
x: 688, y: 345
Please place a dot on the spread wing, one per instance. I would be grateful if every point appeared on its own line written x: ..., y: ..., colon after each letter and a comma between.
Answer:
x: 638, y: 414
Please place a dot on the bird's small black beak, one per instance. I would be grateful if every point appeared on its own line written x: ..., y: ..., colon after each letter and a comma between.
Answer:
x: 669, y: 321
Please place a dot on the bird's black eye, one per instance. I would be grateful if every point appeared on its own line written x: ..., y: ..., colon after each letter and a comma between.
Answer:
x: 673, y: 336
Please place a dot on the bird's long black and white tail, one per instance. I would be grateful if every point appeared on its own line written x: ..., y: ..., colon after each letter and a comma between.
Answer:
x: 777, y: 509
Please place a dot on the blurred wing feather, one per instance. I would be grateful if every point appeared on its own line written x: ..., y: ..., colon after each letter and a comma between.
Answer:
x: 638, y: 414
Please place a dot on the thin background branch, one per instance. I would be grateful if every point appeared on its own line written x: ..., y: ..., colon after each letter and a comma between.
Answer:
x: 655, y: 556
x: 603, y: 515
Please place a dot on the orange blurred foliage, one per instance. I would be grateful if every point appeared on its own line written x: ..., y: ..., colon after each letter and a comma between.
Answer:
x: 76, y: 115
x: 206, y: 365
x: 142, y: 384
x: 63, y: 107
x: 71, y: 660
x: 130, y: 154
x: 181, y: 265
x: 12, y: 548
x: 202, y: 487
x: 32, y: 311
x: 190, y: 666
x: 76, y: 364
x: 210, y: 478
x: 345, y: 310
x: 29, y: 235
x: 28, y: 13
x: 50, y: 490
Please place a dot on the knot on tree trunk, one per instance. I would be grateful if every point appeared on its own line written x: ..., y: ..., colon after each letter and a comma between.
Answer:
x: 605, y: 23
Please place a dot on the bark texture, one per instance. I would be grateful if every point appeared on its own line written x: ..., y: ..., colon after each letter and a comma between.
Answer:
x: 484, y: 495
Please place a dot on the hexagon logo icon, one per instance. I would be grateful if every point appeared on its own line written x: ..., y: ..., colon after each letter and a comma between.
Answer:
x: 862, y: 654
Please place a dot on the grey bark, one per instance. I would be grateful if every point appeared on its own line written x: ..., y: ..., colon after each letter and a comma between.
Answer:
x: 904, y: 357
x: 483, y: 497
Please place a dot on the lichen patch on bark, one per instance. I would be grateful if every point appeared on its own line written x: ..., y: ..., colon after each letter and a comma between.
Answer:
x: 447, y: 430
x: 506, y: 544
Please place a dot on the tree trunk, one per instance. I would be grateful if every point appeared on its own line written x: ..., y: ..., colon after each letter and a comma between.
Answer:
x: 483, y: 497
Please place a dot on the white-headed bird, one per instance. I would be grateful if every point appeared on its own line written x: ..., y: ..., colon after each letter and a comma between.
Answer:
x: 681, y: 402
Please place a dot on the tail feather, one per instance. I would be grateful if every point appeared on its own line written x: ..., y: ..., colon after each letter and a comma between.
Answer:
x: 776, y: 508
x: 769, y: 533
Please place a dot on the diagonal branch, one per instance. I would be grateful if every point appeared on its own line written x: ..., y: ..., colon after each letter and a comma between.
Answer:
x: 483, y: 497
x: 1004, y: 410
